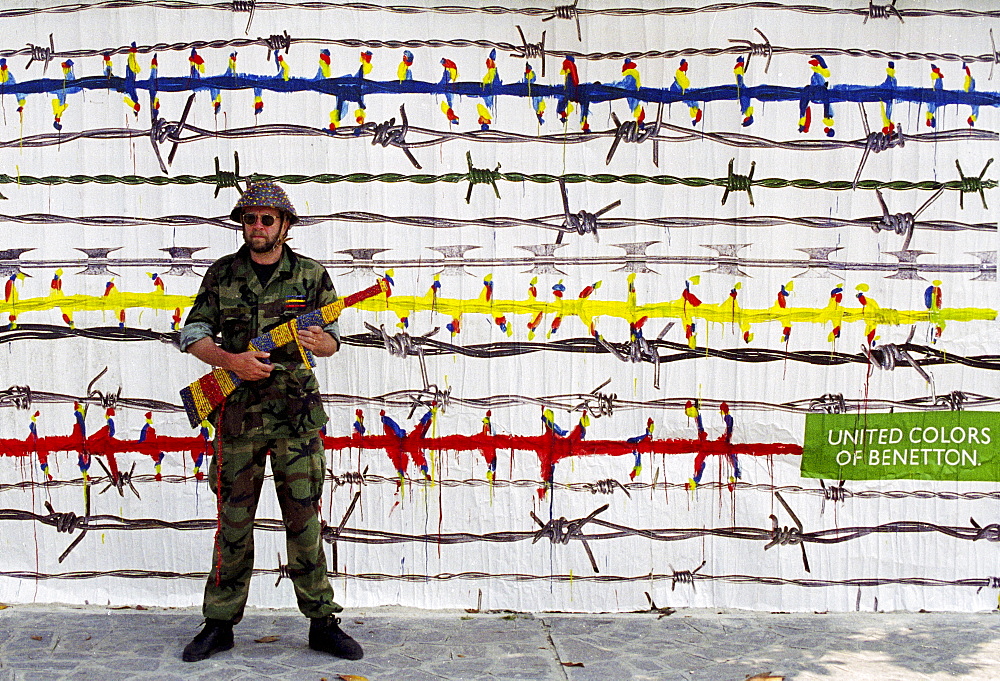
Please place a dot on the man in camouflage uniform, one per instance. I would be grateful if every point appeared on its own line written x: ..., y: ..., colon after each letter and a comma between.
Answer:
x: 276, y: 411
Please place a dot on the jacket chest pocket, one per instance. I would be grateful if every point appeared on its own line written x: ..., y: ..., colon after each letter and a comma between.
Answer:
x: 237, y: 329
x: 283, y: 309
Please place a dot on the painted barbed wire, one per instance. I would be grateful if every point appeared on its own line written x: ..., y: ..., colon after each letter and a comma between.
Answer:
x: 31, y: 332
x: 551, y: 222
x: 978, y: 582
x: 872, y: 11
x: 590, y: 345
x: 650, y: 132
x: 928, y: 582
x: 609, y: 487
x: 558, y: 532
x: 355, y: 88
x: 514, y: 50
x: 963, y: 185
x: 24, y: 397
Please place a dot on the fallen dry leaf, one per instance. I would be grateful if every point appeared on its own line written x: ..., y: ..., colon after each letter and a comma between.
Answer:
x: 36, y: 638
x: 267, y: 639
x: 765, y: 677
x: 351, y: 677
x: 3, y: 606
x: 572, y: 664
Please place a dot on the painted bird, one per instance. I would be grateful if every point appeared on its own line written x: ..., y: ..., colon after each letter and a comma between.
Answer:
x: 59, y: 103
x: 197, y: 64
x: 818, y: 80
x: 689, y: 297
x: 648, y: 435
x: 324, y: 65
x: 537, y: 103
x: 154, y: 98
x: 449, y: 75
x: 886, y: 104
x: 403, y: 70
x: 739, y: 71
x: 148, y: 432
x: 549, y: 422
x: 937, y: 81
x: 7, y: 78
x: 933, y: 300
x: 681, y: 84
x: 970, y: 86
x: 783, y: 294
x: 491, y: 455
x: 631, y: 81
x: 571, y: 85
x: 284, y: 68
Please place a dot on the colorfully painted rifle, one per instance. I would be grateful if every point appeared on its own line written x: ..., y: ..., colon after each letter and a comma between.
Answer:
x: 206, y: 394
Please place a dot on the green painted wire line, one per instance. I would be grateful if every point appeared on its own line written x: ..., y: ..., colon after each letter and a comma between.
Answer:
x: 542, y: 178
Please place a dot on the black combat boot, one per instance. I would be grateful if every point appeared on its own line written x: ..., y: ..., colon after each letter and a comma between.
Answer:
x: 214, y: 638
x: 326, y: 635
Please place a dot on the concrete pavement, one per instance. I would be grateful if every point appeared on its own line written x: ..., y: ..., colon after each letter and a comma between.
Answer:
x: 42, y: 642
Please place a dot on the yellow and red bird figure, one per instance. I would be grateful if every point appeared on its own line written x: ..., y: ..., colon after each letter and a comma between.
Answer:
x: 783, y: 295
x: 933, y: 300
x: 537, y: 103
x: 818, y: 85
x: 970, y: 86
x: 681, y: 85
x: 571, y: 85
x: 550, y: 425
x: 631, y: 81
x: 740, y: 71
x: 132, y: 71
x: 7, y: 78
x: 888, y: 127
x: 284, y: 68
x: 324, y: 65
x: 403, y: 70
x: 197, y: 64
x: 43, y: 457
x: 359, y: 424
x: 449, y: 75
x: 491, y: 81
x: 10, y: 295
x: 648, y: 435
x: 836, y: 297
x: 59, y: 103
x: 154, y: 97
x: 157, y: 282
x: 937, y: 82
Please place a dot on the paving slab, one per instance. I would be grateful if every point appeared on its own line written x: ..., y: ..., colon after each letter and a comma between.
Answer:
x: 47, y: 642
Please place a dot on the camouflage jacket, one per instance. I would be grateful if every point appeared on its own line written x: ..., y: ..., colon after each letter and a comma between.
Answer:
x: 232, y: 303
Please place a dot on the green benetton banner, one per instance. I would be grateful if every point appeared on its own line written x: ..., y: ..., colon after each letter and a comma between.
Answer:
x: 938, y: 445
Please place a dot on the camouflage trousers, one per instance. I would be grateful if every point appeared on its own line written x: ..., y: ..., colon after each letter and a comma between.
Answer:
x: 298, y: 465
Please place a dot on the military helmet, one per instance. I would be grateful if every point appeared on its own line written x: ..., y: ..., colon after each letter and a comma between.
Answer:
x: 264, y: 194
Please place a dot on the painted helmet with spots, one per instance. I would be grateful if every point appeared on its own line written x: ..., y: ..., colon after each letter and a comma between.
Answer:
x: 264, y: 194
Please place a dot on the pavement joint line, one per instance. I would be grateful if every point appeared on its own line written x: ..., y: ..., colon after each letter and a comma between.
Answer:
x: 555, y: 651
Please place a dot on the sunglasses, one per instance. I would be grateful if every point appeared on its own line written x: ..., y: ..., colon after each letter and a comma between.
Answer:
x: 250, y: 219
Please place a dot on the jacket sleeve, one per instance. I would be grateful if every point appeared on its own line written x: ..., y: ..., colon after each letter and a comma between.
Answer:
x: 203, y: 318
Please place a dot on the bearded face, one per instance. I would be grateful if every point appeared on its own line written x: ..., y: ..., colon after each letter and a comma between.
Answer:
x: 262, y: 237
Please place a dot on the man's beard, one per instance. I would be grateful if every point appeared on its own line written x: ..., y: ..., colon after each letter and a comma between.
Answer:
x: 259, y: 246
